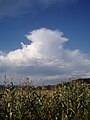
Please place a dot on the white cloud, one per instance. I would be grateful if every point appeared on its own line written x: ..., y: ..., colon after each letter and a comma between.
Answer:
x: 17, y: 7
x: 46, y: 58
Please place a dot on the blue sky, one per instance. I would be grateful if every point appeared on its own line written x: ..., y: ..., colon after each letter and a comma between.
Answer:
x: 17, y: 19
x: 71, y: 18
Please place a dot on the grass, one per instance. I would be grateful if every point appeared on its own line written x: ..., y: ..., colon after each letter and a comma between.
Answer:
x: 62, y: 102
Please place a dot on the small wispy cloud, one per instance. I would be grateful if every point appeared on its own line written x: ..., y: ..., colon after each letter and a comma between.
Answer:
x: 46, y: 58
x: 1, y: 53
x: 17, y: 7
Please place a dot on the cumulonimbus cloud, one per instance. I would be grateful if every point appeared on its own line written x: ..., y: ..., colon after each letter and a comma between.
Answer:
x: 17, y: 7
x: 46, y: 57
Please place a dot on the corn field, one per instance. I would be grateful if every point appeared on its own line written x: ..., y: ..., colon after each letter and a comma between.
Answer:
x: 66, y: 102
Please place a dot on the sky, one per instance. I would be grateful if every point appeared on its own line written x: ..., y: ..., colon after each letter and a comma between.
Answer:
x: 47, y: 40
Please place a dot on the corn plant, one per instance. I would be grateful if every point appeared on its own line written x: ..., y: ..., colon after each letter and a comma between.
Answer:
x: 65, y: 102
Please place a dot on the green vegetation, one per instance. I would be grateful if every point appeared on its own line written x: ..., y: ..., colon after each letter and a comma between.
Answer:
x: 69, y: 101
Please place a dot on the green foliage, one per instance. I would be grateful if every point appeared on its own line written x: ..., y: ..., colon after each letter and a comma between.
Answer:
x: 67, y: 102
